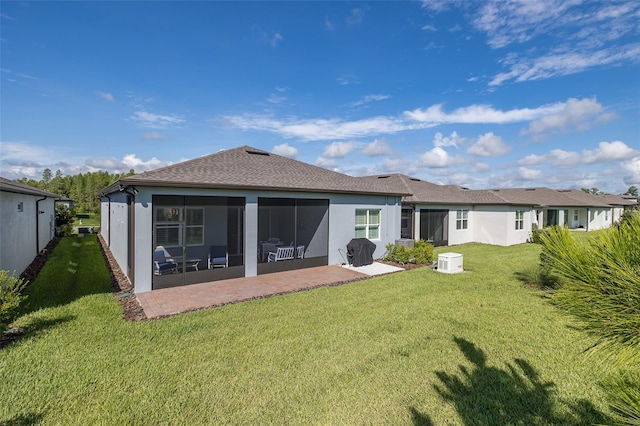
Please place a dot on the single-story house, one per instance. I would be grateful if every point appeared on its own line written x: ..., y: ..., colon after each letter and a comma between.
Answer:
x: 448, y: 214
x: 572, y: 208
x: 27, y: 218
x: 240, y: 213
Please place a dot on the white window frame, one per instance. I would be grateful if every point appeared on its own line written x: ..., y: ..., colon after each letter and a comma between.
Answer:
x: 178, y: 224
x: 369, y: 227
x: 462, y: 219
x: 519, y: 219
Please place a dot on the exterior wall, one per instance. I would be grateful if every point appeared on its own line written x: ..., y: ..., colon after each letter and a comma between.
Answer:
x: 114, y: 223
x: 19, y: 244
x: 599, y: 218
x: 489, y: 224
x: 341, y: 224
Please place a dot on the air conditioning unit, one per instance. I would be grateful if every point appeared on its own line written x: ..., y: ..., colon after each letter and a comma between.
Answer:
x: 450, y: 263
x: 407, y: 242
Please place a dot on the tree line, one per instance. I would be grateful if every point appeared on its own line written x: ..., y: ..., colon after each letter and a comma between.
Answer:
x: 82, y: 188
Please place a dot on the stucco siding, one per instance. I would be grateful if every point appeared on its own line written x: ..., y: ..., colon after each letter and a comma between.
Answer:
x: 19, y: 243
x: 340, y: 220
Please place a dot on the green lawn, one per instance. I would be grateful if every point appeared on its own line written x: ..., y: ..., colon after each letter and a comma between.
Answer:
x: 416, y: 347
x: 92, y: 220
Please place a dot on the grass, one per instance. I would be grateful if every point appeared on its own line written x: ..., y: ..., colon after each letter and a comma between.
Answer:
x: 92, y: 220
x: 416, y: 347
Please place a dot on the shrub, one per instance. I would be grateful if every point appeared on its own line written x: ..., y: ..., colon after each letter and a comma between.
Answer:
x: 601, y: 287
x: 536, y: 236
x: 423, y: 252
x: 10, y: 297
x: 420, y: 254
x: 64, y: 219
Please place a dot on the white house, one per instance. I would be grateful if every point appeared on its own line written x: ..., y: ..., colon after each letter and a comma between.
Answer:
x: 27, y: 224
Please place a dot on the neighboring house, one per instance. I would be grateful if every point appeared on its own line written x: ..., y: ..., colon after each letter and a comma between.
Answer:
x: 449, y: 215
x: 27, y: 223
x: 65, y: 201
x: 572, y: 208
x: 161, y: 225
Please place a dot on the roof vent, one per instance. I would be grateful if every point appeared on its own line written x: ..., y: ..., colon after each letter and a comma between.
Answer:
x: 415, y: 179
x: 266, y: 154
x: 383, y: 177
x: 529, y: 189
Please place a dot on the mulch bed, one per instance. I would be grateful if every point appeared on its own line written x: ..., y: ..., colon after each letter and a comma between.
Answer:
x: 122, y: 287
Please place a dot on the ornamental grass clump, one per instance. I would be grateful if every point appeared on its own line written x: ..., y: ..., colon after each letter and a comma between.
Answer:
x: 601, y: 287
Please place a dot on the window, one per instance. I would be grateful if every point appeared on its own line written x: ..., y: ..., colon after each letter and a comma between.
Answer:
x: 575, y: 215
x: 368, y: 224
x: 606, y: 215
x: 519, y: 219
x: 462, y: 219
x: 169, y: 229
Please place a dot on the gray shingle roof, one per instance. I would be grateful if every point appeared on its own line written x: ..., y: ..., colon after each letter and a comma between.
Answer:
x: 552, y: 197
x: 250, y: 168
x: 8, y: 185
x: 424, y: 192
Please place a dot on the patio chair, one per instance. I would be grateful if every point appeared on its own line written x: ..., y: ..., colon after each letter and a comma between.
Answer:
x: 163, y: 263
x: 281, y: 253
x: 218, y: 257
x: 300, y: 252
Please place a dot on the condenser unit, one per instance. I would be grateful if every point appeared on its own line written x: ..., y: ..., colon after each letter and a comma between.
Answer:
x: 450, y: 263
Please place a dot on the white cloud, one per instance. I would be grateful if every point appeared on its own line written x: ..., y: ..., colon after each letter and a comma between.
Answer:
x: 429, y: 28
x: 370, y: 98
x: 107, y: 96
x: 632, y: 171
x: 377, y: 148
x: 608, y: 151
x: 532, y: 160
x: 573, y: 112
x: 562, y: 158
x: 453, y: 140
x: 529, y: 174
x: 605, y: 153
x: 129, y: 161
x: 13, y: 152
x: 155, y: 121
x: 317, y: 129
x: 276, y: 39
x: 338, y: 149
x: 285, y: 150
x: 327, y: 163
x: 488, y: 145
x: 153, y: 136
x: 560, y: 63
x: 479, y: 114
x: 276, y: 99
x: 347, y: 79
x: 575, y: 115
x: 437, y: 158
x: 356, y: 16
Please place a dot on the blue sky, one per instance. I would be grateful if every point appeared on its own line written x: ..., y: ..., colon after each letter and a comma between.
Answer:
x: 478, y: 94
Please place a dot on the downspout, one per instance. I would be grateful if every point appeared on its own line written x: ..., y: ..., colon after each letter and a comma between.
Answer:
x: 132, y: 227
x: 108, y: 197
x: 588, y: 218
x: 38, y: 212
